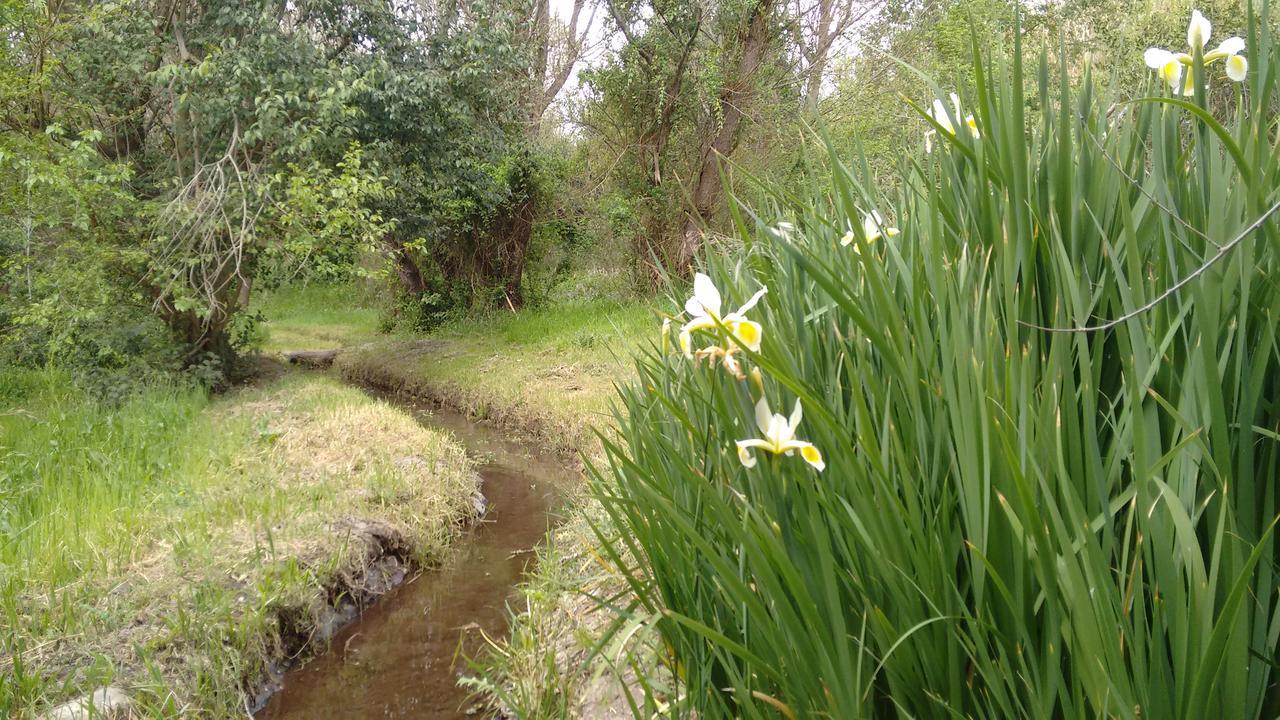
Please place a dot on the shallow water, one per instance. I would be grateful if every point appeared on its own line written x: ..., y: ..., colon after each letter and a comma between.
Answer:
x: 403, y: 657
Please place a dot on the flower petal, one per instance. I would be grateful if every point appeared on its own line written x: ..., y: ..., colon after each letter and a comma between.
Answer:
x: 752, y: 302
x: 1237, y: 68
x: 1199, y: 30
x: 1231, y: 46
x: 1188, y: 84
x: 848, y: 237
x: 745, y: 457
x: 1171, y: 72
x: 812, y: 456
x: 941, y: 116
x: 705, y: 292
x: 807, y: 450
x: 686, y: 344
x: 871, y: 223
x: 748, y: 333
x: 779, y: 432
x: 1156, y: 58
x: 702, y: 322
x: 796, y: 414
x: 763, y: 415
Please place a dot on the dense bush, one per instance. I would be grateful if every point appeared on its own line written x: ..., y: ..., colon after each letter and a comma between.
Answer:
x: 1043, y: 391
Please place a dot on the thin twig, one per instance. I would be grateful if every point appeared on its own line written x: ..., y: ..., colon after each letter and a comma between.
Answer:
x: 1222, y: 252
x: 1148, y: 195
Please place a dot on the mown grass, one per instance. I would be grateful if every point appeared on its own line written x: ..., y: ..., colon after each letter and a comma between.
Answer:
x: 175, y: 545
x: 318, y: 317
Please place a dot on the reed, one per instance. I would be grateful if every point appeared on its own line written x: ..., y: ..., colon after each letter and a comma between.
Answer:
x: 1022, y: 514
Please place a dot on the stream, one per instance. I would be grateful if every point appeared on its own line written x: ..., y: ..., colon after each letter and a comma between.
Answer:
x: 403, y: 657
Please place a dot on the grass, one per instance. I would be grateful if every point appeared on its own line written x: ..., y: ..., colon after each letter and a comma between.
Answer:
x: 318, y: 317
x: 565, y: 657
x: 176, y: 545
x: 547, y: 372
x: 1048, y: 414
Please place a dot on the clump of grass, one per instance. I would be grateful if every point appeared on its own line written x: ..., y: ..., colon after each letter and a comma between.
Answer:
x: 176, y: 545
x: 1019, y: 516
x: 564, y: 657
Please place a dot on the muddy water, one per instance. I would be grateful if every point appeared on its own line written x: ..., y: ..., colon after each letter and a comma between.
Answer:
x: 403, y: 657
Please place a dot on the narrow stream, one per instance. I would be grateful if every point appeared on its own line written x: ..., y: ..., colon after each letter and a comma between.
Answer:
x: 403, y: 657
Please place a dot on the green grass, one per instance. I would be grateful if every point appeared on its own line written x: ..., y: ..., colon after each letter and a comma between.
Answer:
x: 549, y: 371
x: 602, y: 331
x: 161, y: 544
x: 318, y: 317
x: 1013, y: 521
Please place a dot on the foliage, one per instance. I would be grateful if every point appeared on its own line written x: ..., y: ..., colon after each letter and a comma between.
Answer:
x: 326, y: 223
x: 61, y: 301
x: 199, y: 149
x: 1018, y: 516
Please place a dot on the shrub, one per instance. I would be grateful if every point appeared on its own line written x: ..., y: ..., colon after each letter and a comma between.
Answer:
x: 1018, y: 516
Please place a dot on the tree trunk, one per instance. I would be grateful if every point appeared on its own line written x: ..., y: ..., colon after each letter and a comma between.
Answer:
x: 514, y: 230
x: 406, y: 268
x: 753, y: 41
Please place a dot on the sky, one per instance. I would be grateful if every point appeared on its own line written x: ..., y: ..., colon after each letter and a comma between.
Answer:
x: 563, y: 9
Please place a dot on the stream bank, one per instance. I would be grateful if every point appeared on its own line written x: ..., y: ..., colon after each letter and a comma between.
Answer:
x: 556, y: 396
x: 404, y: 656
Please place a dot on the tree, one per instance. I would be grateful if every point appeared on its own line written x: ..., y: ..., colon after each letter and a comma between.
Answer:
x: 745, y: 51
x: 822, y: 28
